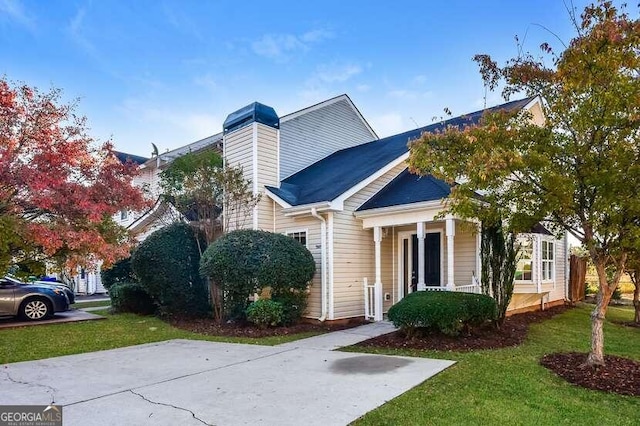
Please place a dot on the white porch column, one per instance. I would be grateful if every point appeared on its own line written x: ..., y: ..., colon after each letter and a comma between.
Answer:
x: 478, y: 250
x: 421, y: 280
x: 451, y: 232
x: 377, y: 238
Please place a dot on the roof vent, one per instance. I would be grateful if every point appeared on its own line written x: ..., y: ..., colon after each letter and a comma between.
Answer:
x: 255, y: 112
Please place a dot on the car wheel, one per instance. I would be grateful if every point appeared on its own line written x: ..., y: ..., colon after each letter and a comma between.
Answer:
x: 35, y: 309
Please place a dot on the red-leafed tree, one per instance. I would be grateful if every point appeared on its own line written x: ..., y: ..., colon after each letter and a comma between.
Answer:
x: 58, y: 188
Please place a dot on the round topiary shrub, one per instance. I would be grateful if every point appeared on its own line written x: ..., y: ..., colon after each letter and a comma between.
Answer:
x: 120, y: 272
x: 166, y: 264
x: 131, y: 297
x: 445, y: 311
x: 244, y: 262
x: 265, y: 313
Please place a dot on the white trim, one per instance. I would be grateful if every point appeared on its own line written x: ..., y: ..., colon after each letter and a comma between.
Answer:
x: 383, y: 211
x: 277, y: 199
x: 408, y: 235
x: 407, y: 217
x: 278, y: 156
x: 401, y: 236
x: 451, y: 233
x: 290, y: 231
x: 255, y: 171
x: 330, y: 262
x: 421, y: 253
x: 339, y: 201
x: 306, y: 209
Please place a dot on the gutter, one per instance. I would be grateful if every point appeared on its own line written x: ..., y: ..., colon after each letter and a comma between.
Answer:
x: 323, y: 267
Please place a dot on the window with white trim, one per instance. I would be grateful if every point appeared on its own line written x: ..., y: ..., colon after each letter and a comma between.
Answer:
x: 524, y: 268
x: 124, y: 214
x: 299, y: 236
x: 548, y: 264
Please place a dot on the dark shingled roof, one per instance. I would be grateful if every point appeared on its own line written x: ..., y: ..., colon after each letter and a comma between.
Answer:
x: 124, y: 157
x: 407, y: 188
x: 330, y: 177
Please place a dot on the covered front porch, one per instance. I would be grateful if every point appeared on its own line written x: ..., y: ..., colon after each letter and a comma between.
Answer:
x: 417, y: 250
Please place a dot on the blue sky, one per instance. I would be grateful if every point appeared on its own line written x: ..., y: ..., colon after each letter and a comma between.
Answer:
x: 169, y: 72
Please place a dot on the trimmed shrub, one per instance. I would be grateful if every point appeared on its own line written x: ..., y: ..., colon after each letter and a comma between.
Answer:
x: 131, y: 297
x: 120, y: 272
x: 445, y: 311
x: 166, y: 264
x: 294, y: 305
x: 265, y: 313
x: 244, y: 262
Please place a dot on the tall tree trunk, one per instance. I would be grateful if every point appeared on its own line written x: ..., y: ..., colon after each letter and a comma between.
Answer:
x: 596, y: 356
x: 606, y: 288
x: 636, y: 300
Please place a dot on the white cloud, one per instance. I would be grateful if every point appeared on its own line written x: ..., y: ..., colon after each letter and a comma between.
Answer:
x: 14, y: 11
x: 316, y: 36
x: 76, y: 31
x: 169, y: 126
x: 279, y: 47
x: 337, y: 73
x: 363, y: 87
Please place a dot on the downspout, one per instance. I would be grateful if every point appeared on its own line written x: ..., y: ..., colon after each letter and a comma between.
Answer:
x: 323, y: 267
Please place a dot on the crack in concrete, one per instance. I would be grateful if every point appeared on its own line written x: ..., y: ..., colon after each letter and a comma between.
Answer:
x: 52, y: 390
x: 172, y: 406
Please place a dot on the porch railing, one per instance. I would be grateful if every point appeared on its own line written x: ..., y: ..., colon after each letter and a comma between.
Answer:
x: 369, y: 301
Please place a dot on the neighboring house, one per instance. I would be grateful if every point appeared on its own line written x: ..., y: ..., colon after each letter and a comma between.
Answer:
x: 373, y: 228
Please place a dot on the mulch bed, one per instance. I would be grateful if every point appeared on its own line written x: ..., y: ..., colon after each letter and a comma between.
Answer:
x: 618, y: 375
x: 245, y: 329
x: 512, y: 333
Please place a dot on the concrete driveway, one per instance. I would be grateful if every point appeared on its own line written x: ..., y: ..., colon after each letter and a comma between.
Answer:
x: 73, y: 315
x: 185, y: 382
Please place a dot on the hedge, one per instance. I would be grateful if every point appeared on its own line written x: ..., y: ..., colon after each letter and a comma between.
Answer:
x: 131, y: 297
x: 244, y: 262
x: 166, y: 263
x: 120, y: 272
x: 445, y: 311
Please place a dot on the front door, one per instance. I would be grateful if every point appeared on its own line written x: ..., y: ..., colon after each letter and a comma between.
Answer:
x: 432, y: 261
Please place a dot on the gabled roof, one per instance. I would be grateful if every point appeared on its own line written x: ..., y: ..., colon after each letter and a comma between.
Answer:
x: 124, y: 157
x: 332, y: 176
x: 407, y: 188
x: 196, y: 146
x: 328, y: 102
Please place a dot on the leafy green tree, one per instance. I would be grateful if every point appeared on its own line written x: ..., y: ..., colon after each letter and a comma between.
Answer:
x: 498, y: 254
x: 580, y: 168
x: 211, y: 195
x: 192, y: 184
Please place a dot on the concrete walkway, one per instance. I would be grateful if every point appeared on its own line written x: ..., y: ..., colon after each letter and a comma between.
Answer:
x: 190, y: 382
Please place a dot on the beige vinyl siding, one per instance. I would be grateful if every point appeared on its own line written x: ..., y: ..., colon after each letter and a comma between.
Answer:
x: 238, y: 151
x: 313, y: 135
x: 464, y: 245
x: 354, y: 253
x: 312, y: 226
x: 267, y: 165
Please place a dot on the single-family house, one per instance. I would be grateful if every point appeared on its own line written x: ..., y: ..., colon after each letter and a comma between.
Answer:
x: 375, y: 230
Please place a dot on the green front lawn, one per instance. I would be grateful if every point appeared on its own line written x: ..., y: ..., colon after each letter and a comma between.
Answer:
x: 508, y: 386
x: 44, y: 341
